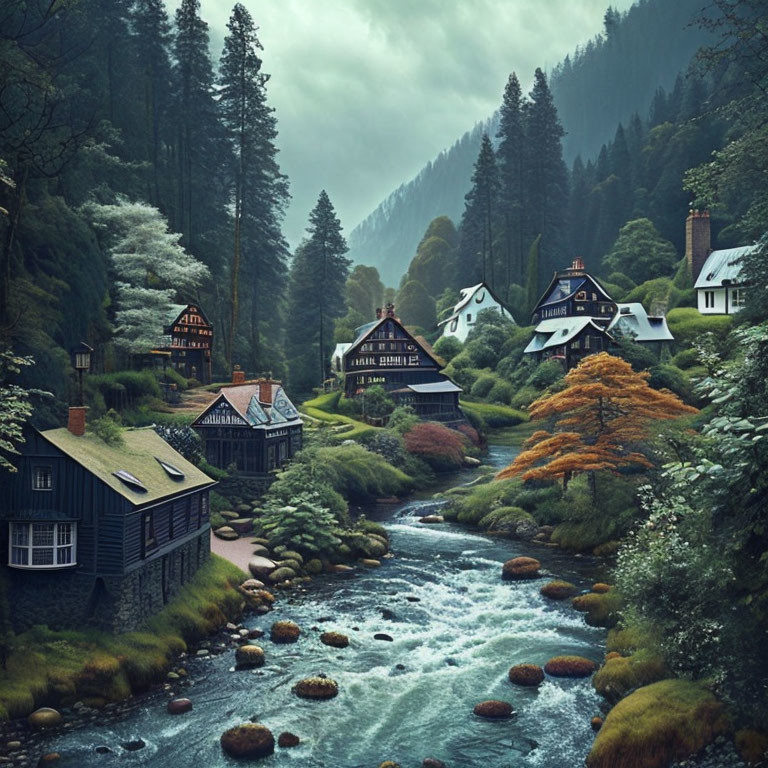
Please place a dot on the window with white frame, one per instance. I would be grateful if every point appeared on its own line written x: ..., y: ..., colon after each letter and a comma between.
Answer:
x: 42, y: 478
x: 42, y: 545
x: 709, y: 299
x: 738, y: 299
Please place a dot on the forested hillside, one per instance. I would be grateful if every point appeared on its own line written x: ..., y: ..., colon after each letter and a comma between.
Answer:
x: 614, y: 76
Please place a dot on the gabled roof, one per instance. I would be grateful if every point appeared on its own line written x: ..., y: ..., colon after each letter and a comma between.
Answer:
x: 245, y: 400
x: 177, y: 310
x: 467, y: 294
x: 365, y: 331
x: 633, y: 319
x: 722, y: 267
x: 435, y: 386
x: 137, y: 455
x: 559, y: 330
x: 571, y: 284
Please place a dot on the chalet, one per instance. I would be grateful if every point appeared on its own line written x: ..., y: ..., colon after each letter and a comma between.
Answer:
x: 251, y: 425
x: 100, y: 534
x: 385, y: 353
x: 464, y: 316
x: 716, y: 274
x: 188, y: 336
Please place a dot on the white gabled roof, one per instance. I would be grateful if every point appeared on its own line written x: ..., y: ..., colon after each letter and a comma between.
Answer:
x: 722, y: 266
x: 466, y: 296
x: 559, y: 330
x: 435, y: 386
x: 633, y: 319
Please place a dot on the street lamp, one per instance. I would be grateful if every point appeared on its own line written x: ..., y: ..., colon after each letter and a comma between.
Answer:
x: 81, y: 356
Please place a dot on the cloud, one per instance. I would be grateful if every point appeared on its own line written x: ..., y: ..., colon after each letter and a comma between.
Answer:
x: 368, y: 91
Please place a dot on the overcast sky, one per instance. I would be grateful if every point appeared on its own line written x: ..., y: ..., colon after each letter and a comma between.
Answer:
x: 366, y: 92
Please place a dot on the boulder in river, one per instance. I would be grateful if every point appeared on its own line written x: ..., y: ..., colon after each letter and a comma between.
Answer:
x: 389, y: 764
x: 600, y: 588
x: 179, y: 706
x: 431, y: 519
x: 528, y: 675
x: 558, y: 590
x: 314, y: 566
x: 251, y: 584
x: 521, y: 568
x: 45, y: 717
x: 134, y: 745
x: 370, y: 562
x: 596, y: 723
x: 431, y: 762
x: 334, y: 639
x: 249, y: 740
x: 375, y: 546
x: 493, y: 709
x: 288, y: 739
x: 383, y: 636
x: 49, y: 758
x: 285, y: 632
x: 319, y: 687
x: 340, y: 568
x: 249, y: 656
x: 227, y: 533
x: 261, y: 566
x: 290, y: 554
x: 570, y: 666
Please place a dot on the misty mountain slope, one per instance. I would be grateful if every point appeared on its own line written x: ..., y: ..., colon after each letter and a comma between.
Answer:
x: 604, y: 83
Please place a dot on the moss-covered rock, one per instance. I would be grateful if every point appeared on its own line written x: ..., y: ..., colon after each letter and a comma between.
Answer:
x: 520, y: 568
x: 334, y: 639
x: 45, y: 717
x: 282, y: 574
x: 570, y: 666
x: 602, y: 609
x: 248, y: 741
x: 657, y: 724
x: 528, y: 675
x: 621, y: 674
x: 558, y: 590
x: 314, y: 566
x: 493, y: 709
x: 284, y: 632
x: 752, y: 745
x: 316, y: 688
x: 600, y: 588
x: 287, y: 739
x: 291, y: 555
x: 249, y: 656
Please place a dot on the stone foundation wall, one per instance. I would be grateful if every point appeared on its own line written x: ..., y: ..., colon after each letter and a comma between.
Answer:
x: 67, y: 599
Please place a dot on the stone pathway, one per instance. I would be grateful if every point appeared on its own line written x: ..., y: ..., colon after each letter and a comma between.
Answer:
x: 239, y: 551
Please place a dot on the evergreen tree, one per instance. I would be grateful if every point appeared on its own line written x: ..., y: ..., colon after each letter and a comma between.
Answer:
x: 532, y: 292
x: 510, y: 161
x: 416, y: 307
x: 545, y: 175
x: 476, y: 259
x: 316, y: 295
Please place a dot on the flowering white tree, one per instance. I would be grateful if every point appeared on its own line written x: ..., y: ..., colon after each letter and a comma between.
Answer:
x: 151, y: 269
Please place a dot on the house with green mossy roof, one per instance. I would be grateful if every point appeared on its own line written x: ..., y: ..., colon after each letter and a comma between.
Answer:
x: 99, y: 534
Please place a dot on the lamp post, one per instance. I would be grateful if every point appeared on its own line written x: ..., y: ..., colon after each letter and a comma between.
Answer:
x: 81, y: 357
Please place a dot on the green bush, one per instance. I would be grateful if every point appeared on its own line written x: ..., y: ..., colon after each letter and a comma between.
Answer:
x: 688, y: 325
x: 672, y: 378
x: 524, y: 396
x: 482, y: 386
x: 504, y: 518
x: 481, y: 354
x: 303, y: 525
x: 402, y: 419
x: 501, y: 392
x: 495, y: 416
x: 448, y: 347
x: 546, y: 374
x: 688, y: 358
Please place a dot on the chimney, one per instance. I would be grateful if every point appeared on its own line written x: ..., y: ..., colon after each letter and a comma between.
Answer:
x: 76, y: 421
x: 378, y: 313
x: 238, y: 376
x: 265, y: 391
x: 390, y: 310
x: 578, y: 264
x: 698, y: 243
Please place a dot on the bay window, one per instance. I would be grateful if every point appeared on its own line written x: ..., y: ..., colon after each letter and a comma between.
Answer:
x: 42, y: 545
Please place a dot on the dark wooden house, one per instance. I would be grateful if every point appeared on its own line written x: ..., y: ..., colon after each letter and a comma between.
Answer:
x: 252, y: 426
x: 100, y: 534
x: 385, y: 353
x: 188, y: 336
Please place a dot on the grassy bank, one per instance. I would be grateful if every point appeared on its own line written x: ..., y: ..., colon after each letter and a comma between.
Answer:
x: 57, y: 668
x: 323, y: 408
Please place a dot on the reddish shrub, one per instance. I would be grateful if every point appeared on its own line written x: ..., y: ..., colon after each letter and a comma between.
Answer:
x: 471, y: 434
x: 440, y: 447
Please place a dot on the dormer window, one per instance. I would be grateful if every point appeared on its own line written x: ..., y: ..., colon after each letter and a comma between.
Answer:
x: 42, y: 478
x: 173, y: 472
x: 130, y: 480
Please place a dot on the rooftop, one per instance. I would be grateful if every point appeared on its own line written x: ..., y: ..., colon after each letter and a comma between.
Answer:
x: 722, y: 267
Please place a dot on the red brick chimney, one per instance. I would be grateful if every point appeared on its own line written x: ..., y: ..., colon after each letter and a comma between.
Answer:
x: 238, y: 376
x: 698, y: 244
x: 578, y: 264
x: 76, y: 420
x: 265, y: 391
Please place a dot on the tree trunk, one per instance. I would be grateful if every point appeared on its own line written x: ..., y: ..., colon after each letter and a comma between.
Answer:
x: 14, y: 215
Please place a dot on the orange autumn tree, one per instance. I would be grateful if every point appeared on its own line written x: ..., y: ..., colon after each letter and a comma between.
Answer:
x: 605, y: 410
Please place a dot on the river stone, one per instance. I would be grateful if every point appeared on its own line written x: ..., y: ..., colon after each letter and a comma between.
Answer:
x: 340, y: 568
x: 520, y: 568
x: 11, y: 745
x: 558, y: 590
x: 248, y: 741
x: 383, y: 636
x: 285, y: 632
x: 334, y: 639
x: 255, y: 634
x: 375, y: 546
x: 282, y: 574
x: 316, y: 688
x: 596, y: 723
x: 229, y: 514
x: 432, y: 519
x: 528, y: 675
x: 570, y: 666
x: 493, y: 709
x: 288, y: 739
x: 250, y: 584
x: 227, y: 533
x: 45, y: 717
x: 242, y: 524
x: 389, y: 764
x: 294, y: 565
x: 260, y: 550
x: 601, y: 588
x: 134, y: 745
x: 290, y: 554
x: 430, y: 762
x: 471, y: 461
x: 261, y: 566
x: 49, y: 758
x: 314, y: 566
x: 259, y: 540
x: 369, y: 562
x: 249, y: 656
x: 179, y: 706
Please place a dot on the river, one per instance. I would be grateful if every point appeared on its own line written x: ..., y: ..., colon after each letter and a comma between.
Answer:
x: 456, y: 629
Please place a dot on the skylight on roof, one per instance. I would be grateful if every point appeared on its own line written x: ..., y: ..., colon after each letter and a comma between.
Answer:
x: 130, y: 480
x: 173, y: 472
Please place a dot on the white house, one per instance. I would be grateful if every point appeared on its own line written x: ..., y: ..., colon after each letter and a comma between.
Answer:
x: 719, y: 288
x: 473, y: 301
